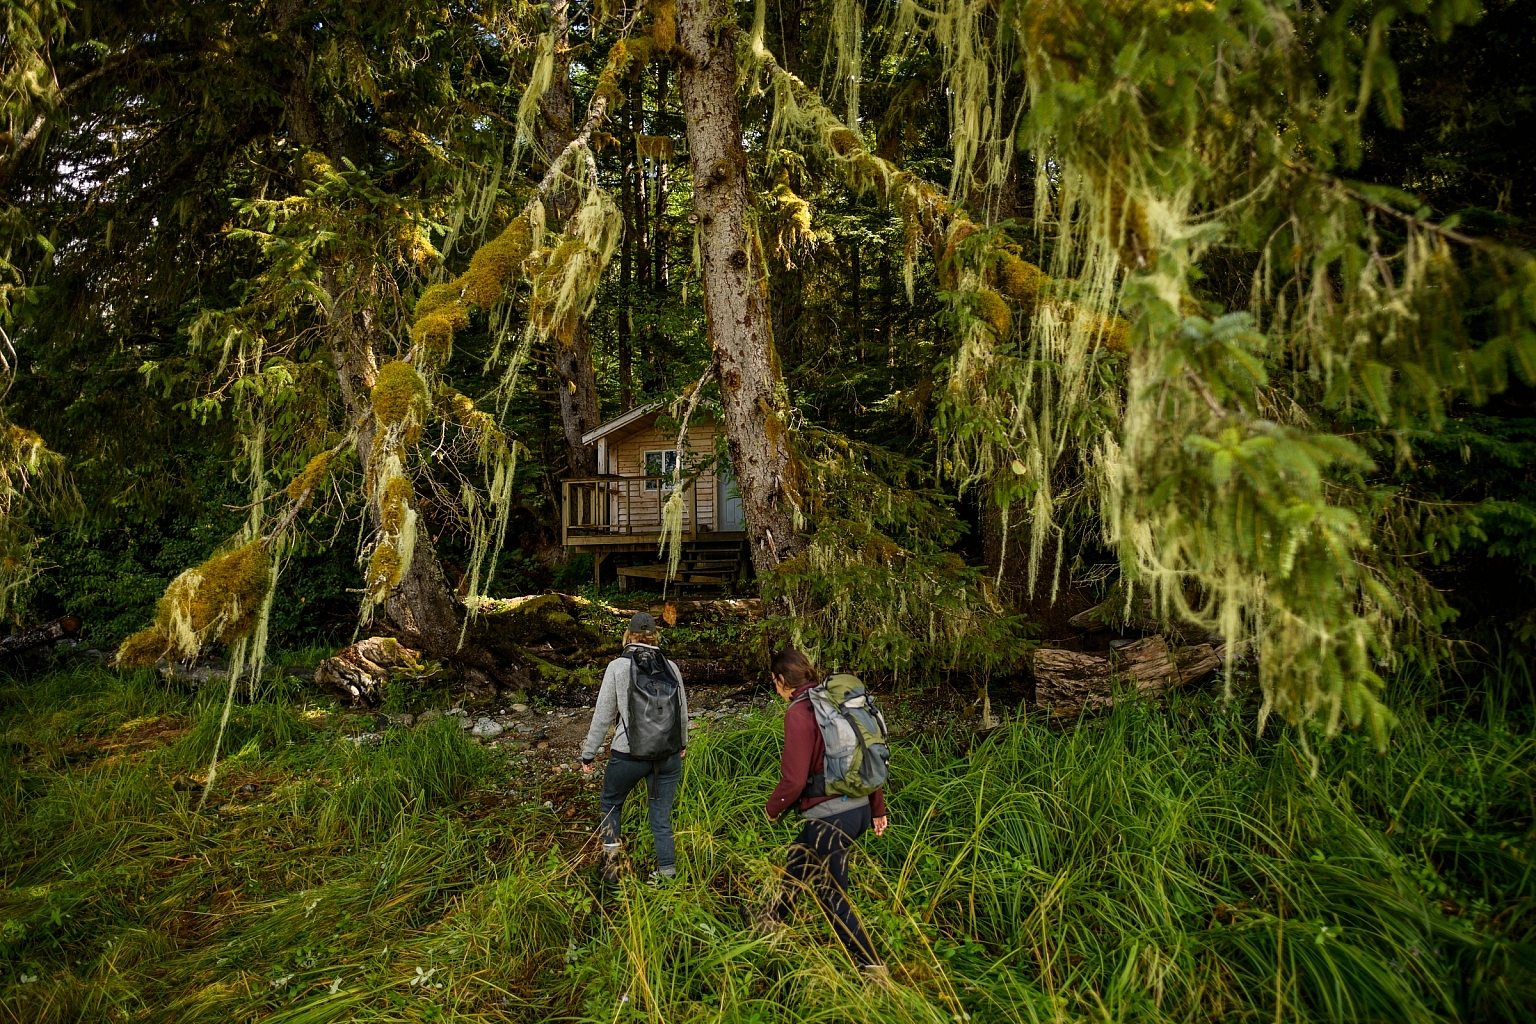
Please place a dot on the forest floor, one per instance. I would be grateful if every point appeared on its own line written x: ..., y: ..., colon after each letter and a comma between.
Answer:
x: 1157, y: 863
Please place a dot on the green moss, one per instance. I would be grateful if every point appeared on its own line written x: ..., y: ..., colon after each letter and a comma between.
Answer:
x: 496, y: 264
x: 434, y: 333
x: 219, y: 600
x: 383, y: 571
x: 843, y: 142
x: 991, y: 308
x: 436, y: 296
x: 301, y: 487
x: 664, y: 26
x: 1020, y: 280
x: 400, y: 397
x: 144, y: 648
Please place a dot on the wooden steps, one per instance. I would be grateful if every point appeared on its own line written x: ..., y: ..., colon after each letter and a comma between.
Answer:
x: 704, y: 563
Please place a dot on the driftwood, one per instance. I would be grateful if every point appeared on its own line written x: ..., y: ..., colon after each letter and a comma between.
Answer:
x: 61, y: 628
x: 360, y: 673
x: 1067, y: 681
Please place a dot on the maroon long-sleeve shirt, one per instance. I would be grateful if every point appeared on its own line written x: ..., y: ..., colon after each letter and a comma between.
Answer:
x: 805, y: 753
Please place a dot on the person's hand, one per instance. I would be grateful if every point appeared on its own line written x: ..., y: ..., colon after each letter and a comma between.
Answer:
x: 683, y: 752
x: 588, y: 767
x: 880, y: 824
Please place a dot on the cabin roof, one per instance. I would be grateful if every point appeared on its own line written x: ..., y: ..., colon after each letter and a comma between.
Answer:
x: 633, y: 420
x: 619, y: 423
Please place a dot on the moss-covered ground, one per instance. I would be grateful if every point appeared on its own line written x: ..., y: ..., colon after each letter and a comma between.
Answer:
x: 1161, y: 863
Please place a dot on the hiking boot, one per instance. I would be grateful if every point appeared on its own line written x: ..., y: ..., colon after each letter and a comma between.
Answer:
x: 613, y: 863
x: 877, y: 976
x: 663, y: 876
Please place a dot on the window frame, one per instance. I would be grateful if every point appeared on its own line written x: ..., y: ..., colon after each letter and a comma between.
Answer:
x: 666, y: 471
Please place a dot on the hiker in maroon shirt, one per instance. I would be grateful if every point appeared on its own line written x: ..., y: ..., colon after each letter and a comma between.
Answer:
x: 819, y: 855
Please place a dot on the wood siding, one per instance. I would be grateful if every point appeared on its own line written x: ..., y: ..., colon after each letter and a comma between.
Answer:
x: 626, y: 457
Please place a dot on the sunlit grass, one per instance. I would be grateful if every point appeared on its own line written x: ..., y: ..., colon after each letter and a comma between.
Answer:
x: 1158, y: 864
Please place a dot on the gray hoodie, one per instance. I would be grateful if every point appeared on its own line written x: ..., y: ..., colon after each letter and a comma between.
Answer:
x: 613, y: 705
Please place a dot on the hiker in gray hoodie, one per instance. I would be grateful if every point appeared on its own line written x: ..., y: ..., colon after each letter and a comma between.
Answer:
x: 624, y: 770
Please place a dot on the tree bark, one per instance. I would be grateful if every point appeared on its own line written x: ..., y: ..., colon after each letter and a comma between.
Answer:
x: 573, y: 361
x: 658, y: 240
x: 578, y: 399
x: 739, y: 325
x: 626, y: 316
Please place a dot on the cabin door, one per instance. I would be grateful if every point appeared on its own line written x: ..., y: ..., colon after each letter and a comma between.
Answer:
x: 728, y: 501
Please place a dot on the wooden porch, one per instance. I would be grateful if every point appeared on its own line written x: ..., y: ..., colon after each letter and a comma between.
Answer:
x: 612, y: 514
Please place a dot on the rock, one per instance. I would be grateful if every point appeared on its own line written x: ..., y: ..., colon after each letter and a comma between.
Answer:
x: 523, y: 730
x: 465, y: 723
x: 519, y: 709
x: 487, y: 728
x: 544, y: 745
x: 404, y: 721
x: 456, y: 712
x: 360, y: 673
x: 429, y: 715
x: 365, y: 739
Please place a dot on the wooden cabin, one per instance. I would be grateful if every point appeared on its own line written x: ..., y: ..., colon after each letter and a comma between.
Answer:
x: 616, y: 515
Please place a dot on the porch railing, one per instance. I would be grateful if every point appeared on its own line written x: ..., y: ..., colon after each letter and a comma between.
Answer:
x: 608, y: 506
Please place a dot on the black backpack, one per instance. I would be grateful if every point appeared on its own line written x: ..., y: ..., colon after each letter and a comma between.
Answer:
x: 655, y: 723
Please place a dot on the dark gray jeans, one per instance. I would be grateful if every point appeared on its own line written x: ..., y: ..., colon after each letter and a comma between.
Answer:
x: 818, y: 860
x: 622, y: 775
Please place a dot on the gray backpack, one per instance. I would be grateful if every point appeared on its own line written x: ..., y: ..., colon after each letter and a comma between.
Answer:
x: 655, y: 721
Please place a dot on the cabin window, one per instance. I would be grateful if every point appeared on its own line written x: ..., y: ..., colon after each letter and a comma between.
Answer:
x: 662, y: 463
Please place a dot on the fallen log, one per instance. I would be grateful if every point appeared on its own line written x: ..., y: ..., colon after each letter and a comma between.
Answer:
x: 1070, y: 681
x: 714, y: 672
x: 682, y: 610
x: 61, y: 628
x: 217, y: 672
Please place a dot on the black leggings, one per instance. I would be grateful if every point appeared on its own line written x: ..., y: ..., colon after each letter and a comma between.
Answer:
x: 819, y: 858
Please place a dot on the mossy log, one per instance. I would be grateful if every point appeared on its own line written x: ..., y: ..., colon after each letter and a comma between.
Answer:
x: 1069, y: 681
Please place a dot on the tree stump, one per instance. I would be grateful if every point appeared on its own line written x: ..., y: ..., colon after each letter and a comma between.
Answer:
x: 360, y: 674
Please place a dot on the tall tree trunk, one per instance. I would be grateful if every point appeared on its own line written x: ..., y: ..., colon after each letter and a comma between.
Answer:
x: 740, y: 330
x: 573, y: 360
x: 659, y: 241
x: 420, y: 610
x: 626, y: 317
x: 578, y: 398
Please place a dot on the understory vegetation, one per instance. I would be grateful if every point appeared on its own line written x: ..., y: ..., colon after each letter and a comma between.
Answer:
x: 1160, y: 863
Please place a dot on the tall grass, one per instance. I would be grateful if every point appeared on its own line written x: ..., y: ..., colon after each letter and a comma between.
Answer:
x: 1158, y: 864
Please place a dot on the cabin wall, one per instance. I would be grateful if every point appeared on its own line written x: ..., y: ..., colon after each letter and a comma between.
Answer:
x: 626, y: 457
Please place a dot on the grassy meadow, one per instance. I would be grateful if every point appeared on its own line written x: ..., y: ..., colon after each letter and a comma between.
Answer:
x: 1160, y: 863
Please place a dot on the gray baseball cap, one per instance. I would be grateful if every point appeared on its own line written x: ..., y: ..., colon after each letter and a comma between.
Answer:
x: 643, y: 622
